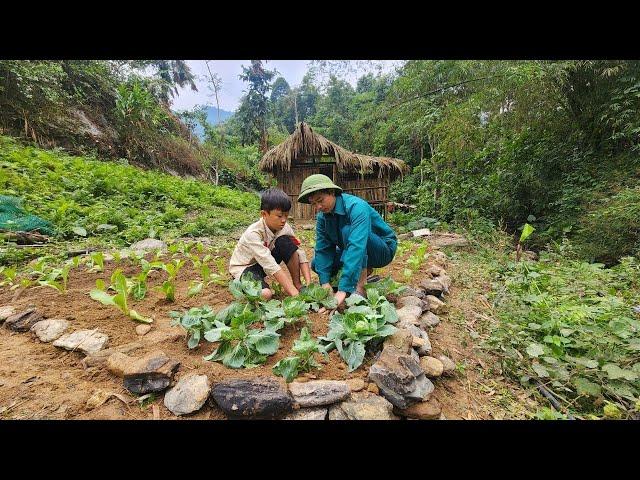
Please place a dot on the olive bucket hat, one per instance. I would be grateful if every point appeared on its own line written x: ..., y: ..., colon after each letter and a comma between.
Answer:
x: 313, y: 183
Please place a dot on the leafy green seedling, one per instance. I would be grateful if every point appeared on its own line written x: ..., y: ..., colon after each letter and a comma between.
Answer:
x: 119, y: 283
x: 304, y: 348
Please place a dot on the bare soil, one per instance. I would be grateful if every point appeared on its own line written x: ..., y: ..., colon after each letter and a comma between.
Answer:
x: 39, y: 381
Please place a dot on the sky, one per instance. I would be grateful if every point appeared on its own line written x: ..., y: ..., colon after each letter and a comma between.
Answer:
x: 233, y: 88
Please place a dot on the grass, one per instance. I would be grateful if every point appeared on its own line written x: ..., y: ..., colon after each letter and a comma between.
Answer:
x: 116, y: 204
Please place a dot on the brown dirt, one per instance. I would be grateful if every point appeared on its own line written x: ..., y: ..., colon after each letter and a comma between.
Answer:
x: 39, y: 381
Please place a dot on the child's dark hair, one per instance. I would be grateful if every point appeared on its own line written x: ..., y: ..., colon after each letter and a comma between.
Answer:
x: 274, y: 199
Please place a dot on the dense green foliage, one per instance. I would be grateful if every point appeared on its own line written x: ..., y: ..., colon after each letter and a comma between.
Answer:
x: 499, y: 140
x: 117, y: 204
x: 112, y: 108
x: 560, y: 322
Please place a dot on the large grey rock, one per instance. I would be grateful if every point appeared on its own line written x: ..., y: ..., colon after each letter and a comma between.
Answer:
x: 401, y: 339
x: 319, y: 413
x: 412, y: 300
x: 432, y: 286
x: 148, y: 244
x: 429, y: 320
x: 363, y: 406
x: 436, y: 271
x: 425, y: 347
x: 409, y: 314
x: 436, y: 305
x: 430, y: 409
x: 400, y: 378
x: 188, y: 396
x: 6, y: 312
x: 445, y: 280
x: 49, y: 330
x: 412, y: 292
x: 87, y: 341
x: 319, y: 392
x: 432, y: 367
x: 449, y: 366
x: 151, y: 373
x: 23, y: 321
x: 260, y: 397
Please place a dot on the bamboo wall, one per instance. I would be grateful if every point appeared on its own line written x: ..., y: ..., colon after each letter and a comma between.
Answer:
x: 369, y: 187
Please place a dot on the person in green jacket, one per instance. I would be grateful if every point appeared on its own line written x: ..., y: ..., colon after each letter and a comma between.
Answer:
x: 350, y: 235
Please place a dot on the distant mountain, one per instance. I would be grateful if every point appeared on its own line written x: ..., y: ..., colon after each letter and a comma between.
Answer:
x: 212, y: 115
x: 212, y: 119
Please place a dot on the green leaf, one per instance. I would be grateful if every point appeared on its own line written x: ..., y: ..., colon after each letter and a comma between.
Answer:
x: 353, y: 355
x: 585, y: 387
x: 540, y: 370
x: 287, y: 368
x: 614, y: 372
x: 526, y: 232
x: 194, y: 289
x: 265, y: 342
x: 535, y: 350
x: 136, y: 316
x: 194, y: 340
x: 215, y: 334
x: 102, y: 297
x: 79, y: 231
x: 219, y: 353
x: 235, y: 357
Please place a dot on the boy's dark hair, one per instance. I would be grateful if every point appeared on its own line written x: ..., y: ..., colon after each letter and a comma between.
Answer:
x: 274, y: 199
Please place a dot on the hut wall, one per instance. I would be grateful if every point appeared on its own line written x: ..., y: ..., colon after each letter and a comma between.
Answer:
x: 368, y: 187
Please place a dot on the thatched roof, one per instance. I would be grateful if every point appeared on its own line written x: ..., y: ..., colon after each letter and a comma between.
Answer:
x: 304, y: 143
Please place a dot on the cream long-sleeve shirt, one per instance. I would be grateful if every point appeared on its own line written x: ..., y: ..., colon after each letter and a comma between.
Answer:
x: 251, y: 249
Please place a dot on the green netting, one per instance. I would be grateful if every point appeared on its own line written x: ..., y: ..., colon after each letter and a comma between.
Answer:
x: 14, y: 218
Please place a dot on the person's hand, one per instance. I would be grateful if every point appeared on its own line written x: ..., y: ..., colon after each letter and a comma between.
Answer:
x: 339, y: 296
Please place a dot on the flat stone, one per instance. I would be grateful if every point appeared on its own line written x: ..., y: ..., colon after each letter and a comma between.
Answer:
x: 356, y: 384
x: 259, y: 397
x: 412, y: 292
x: 188, y: 396
x: 427, y: 410
x: 373, y: 388
x: 432, y: 286
x: 425, y: 347
x: 432, y: 367
x: 363, y: 406
x: 49, y: 330
x: 148, y: 244
x: 440, y: 258
x: 118, y: 362
x: 143, y: 329
x: 435, y: 270
x: 400, y: 378
x: 307, y: 414
x: 409, y: 314
x: 6, y: 312
x: 423, y: 232
x: 87, y: 341
x: 445, y: 280
x: 23, y: 321
x: 429, y: 320
x: 401, y: 339
x: 151, y: 373
x: 100, y: 358
x: 319, y: 392
x: 436, y: 305
x: 449, y: 366
x: 412, y: 300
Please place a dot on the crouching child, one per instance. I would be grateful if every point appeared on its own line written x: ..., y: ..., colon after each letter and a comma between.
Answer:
x: 267, y: 243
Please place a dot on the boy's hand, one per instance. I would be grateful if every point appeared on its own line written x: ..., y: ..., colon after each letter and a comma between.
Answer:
x: 339, y: 296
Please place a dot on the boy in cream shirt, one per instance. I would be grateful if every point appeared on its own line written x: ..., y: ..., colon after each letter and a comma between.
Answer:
x: 268, y: 242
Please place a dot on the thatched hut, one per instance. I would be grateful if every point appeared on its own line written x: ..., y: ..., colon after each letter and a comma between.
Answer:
x: 305, y: 152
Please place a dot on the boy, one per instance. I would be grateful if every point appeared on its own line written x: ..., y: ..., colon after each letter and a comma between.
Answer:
x: 268, y: 242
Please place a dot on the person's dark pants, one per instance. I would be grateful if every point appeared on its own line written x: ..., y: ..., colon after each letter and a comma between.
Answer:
x: 379, y: 254
x: 282, y: 251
